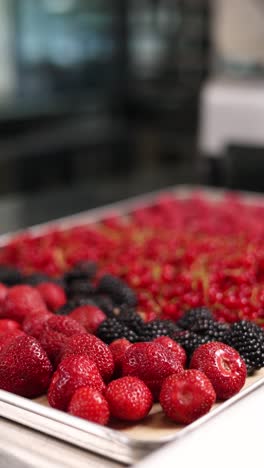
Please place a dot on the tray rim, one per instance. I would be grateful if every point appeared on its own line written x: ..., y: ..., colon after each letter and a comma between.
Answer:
x: 127, y: 449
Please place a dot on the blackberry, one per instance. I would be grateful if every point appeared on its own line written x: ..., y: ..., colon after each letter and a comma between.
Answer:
x: 103, y: 302
x: 217, y: 331
x: 111, y: 329
x: 73, y: 304
x: 248, y: 339
x: 36, y: 278
x: 79, y: 288
x: 130, y: 318
x: 10, y: 276
x: 119, y: 292
x: 189, y: 341
x: 82, y: 270
x: 157, y: 328
x: 190, y: 319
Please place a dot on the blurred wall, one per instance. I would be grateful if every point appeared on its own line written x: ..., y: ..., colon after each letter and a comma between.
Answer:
x: 7, y: 59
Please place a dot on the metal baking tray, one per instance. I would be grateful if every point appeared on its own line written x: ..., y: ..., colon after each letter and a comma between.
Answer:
x: 126, y: 444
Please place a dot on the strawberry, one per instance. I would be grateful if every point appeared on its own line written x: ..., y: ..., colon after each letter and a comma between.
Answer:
x: 22, y: 300
x: 94, y: 348
x: 129, y: 398
x: 52, y: 294
x: 7, y: 326
x: 118, y: 349
x: 24, y: 367
x: 176, y: 348
x: 223, y: 365
x: 33, y: 323
x: 72, y: 373
x: 3, y: 294
x: 152, y: 363
x: 89, y: 316
x: 88, y: 403
x: 185, y: 398
x: 55, y: 333
x: 6, y: 338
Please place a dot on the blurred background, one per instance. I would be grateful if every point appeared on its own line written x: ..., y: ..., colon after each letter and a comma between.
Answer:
x: 101, y: 100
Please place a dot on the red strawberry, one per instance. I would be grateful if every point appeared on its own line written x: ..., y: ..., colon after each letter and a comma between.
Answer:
x: 22, y: 300
x: 118, y: 349
x: 33, y: 323
x: 52, y: 294
x: 223, y: 365
x: 6, y: 338
x: 152, y: 363
x: 88, y: 403
x: 3, y: 294
x: 95, y: 349
x: 55, y: 333
x: 185, y: 398
x: 129, y: 398
x: 7, y: 326
x: 24, y: 367
x: 176, y: 348
x: 73, y: 372
x: 89, y: 317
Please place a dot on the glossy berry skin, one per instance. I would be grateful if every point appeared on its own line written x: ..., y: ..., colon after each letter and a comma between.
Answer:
x: 152, y: 363
x: 73, y: 372
x: 118, y: 349
x: 21, y: 301
x: 224, y: 367
x: 52, y: 294
x: 129, y: 398
x: 33, y: 323
x: 7, y: 326
x: 90, y: 404
x: 55, y: 333
x: 24, y: 367
x: 94, y: 348
x: 175, y: 348
x: 187, y: 397
x: 89, y: 316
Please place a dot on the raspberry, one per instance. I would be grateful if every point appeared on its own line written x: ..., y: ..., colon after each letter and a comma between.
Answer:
x: 21, y: 301
x: 175, y: 348
x: 88, y: 403
x: 52, y: 294
x: 223, y: 366
x: 7, y: 326
x: 118, y: 349
x: 94, y: 348
x: 55, y: 333
x: 129, y: 398
x: 73, y: 372
x: 24, y: 367
x: 89, y: 316
x: 152, y: 363
x: 187, y: 397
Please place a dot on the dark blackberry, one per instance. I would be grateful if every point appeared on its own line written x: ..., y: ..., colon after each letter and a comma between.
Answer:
x: 10, y: 276
x: 216, y: 331
x: 103, y: 302
x: 82, y: 270
x: 79, y: 288
x: 117, y: 290
x: 73, y: 304
x: 130, y: 318
x: 193, y: 316
x: 248, y: 339
x: 37, y: 278
x: 156, y: 328
x: 189, y: 341
x: 112, y: 329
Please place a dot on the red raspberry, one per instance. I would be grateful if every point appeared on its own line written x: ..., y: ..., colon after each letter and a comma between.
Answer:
x: 176, y: 348
x: 52, y: 294
x: 6, y: 338
x: 73, y: 372
x: 89, y: 317
x: 185, y: 398
x: 22, y: 300
x: 33, y: 323
x: 152, y: 363
x: 118, y: 349
x: 3, y: 294
x: 88, y: 403
x: 223, y: 365
x: 24, y: 367
x: 94, y: 348
x: 55, y: 333
x: 129, y: 398
x: 7, y: 326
